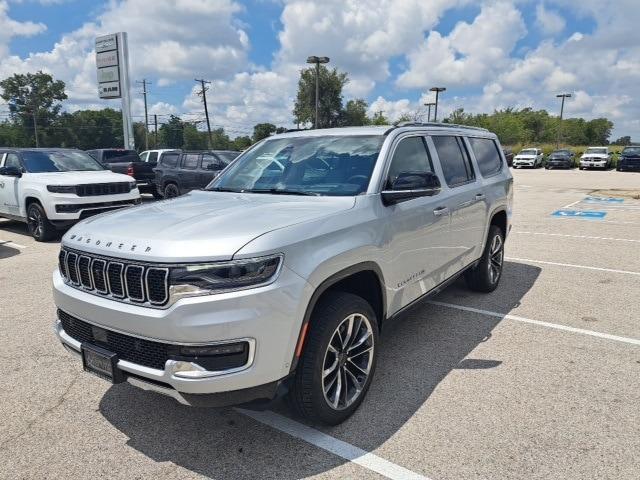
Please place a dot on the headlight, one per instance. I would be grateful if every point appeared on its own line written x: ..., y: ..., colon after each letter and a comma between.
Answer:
x: 61, y: 188
x: 207, y: 279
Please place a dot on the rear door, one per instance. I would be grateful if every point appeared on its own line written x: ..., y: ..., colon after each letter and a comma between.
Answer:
x: 466, y: 201
x: 209, y: 168
x: 189, y: 174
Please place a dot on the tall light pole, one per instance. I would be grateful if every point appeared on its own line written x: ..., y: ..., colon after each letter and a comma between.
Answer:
x: 563, y: 96
x: 429, y: 105
x: 317, y: 61
x: 437, y: 90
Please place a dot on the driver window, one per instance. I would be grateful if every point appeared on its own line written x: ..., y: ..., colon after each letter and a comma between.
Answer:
x: 411, y: 155
x: 12, y: 161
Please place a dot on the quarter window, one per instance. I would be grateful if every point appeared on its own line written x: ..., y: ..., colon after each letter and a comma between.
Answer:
x: 487, y: 155
x: 190, y: 161
x: 410, y: 156
x: 454, y: 160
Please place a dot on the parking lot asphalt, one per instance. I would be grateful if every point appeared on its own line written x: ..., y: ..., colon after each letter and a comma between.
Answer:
x: 540, y: 379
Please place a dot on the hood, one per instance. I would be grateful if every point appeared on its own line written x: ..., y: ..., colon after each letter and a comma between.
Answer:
x: 78, y: 178
x: 200, y: 226
x: 525, y: 157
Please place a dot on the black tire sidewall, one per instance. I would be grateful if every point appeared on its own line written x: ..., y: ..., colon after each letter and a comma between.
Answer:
x: 167, y: 189
x: 48, y: 230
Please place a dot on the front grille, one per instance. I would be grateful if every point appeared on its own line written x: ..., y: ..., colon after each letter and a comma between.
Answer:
x: 96, y: 189
x: 132, y: 349
x: 125, y: 281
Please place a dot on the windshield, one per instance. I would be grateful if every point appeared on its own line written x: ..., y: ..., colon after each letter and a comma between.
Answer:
x: 59, y: 161
x: 120, y: 156
x: 561, y: 153
x: 227, y: 157
x: 631, y: 151
x: 597, y: 150
x: 327, y: 165
x: 528, y: 152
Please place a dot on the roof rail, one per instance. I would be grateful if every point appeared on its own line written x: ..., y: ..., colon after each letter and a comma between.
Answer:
x: 439, y: 124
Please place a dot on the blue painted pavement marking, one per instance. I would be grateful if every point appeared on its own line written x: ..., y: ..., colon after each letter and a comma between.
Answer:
x: 586, y: 214
x: 603, y: 200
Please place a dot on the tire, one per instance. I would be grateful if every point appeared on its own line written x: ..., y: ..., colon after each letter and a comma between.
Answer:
x: 38, y: 224
x: 171, y: 190
x: 485, y: 276
x: 330, y: 318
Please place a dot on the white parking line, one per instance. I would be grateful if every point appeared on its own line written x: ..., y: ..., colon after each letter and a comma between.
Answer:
x: 557, y: 326
x: 9, y: 243
x: 578, y: 236
x: 572, y: 204
x: 611, y: 270
x: 337, y: 447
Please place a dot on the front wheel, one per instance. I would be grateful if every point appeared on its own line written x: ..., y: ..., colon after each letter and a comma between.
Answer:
x: 485, y: 276
x: 338, y: 360
x: 38, y: 224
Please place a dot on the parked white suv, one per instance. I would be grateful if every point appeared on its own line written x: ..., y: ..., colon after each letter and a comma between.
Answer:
x: 280, y: 275
x: 50, y: 189
x: 596, y: 157
x: 528, y: 157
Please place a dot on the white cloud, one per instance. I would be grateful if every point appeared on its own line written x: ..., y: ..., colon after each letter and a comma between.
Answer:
x: 549, y: 22
x: 470, y: 54
x: 10, y: 28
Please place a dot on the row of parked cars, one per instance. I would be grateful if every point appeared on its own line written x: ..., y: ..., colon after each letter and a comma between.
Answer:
x: 49, y: 189
x: 593, y: 157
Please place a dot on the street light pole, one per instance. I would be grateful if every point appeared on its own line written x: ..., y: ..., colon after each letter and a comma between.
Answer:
x: 317, y: 61
x: 429, y: 105
x: 563, y: 96
x: 437, y: 90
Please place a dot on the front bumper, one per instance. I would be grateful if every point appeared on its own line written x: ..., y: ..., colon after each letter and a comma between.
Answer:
x: 593, y: 163
x: 559, y: 163
x: 82, y: 207
x: 523, y: 163
x: 270, y: 317
x: 633, y: 164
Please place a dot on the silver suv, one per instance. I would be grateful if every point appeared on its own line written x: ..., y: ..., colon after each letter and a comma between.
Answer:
x: 279, y: 277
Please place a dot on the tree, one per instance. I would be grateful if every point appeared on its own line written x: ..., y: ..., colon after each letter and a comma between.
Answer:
x: 263, y: 130
x: 355, y: 113
x: 33, y: 99
x: 241, y: 143
x: 623, y: 141
x: 599, y: 131
x: 330, y: 84
x: 193, y: 138
x: 172, y: 133
x: 87, y: 129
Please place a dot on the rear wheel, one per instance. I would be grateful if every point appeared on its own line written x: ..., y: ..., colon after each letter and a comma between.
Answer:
x: 38, y: 224
x: 485, y: 276
x: 171, y: 190
x: 338, y: 361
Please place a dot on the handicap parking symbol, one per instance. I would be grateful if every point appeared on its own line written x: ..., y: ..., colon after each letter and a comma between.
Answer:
x: 603, y: 200
x: 586, y: 214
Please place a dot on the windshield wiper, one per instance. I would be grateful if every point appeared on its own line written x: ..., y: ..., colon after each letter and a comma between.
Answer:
x: 279, y: 191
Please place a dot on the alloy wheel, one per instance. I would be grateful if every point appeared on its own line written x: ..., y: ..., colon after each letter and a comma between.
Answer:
x: 496, y: 257
x: 34, y: 222
x: 348, y: 361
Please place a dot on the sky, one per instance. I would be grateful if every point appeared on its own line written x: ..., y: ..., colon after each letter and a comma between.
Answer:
x: 489, y: 54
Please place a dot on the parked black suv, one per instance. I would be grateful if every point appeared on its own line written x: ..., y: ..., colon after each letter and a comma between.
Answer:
x: 629, y: 159
x: 179, y: 173
x: 128, y: 162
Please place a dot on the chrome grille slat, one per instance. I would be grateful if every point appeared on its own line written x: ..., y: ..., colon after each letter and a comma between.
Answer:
x: 134, y: 282
x: 129, y: 282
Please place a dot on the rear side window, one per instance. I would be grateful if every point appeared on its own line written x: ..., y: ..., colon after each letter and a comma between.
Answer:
x: 170, y: 159
x: 454, y: 160
x: 410, y: 156
x: 190, y: 161
x: 487, y: 155
x: 120, y: 156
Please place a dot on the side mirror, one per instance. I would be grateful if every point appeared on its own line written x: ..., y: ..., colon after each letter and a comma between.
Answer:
x: 11, y: 171
x: 409, y: 185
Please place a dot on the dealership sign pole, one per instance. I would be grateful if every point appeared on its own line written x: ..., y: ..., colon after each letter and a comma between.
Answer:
x: 112, y: 62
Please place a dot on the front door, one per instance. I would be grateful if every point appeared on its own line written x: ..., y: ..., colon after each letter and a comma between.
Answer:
x: 417, y: 230
x: 210, y: 167
x: 9, y: 186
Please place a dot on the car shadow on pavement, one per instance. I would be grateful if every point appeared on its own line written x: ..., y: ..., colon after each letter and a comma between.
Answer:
x: 417, y: 352
x: 20, y: 228
x: 7, y: 251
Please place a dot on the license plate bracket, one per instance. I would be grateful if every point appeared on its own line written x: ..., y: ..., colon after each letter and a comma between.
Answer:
x: 101, y: 362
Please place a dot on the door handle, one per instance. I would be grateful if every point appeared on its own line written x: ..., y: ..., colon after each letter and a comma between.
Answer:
x: 440, y: 211
x: 480, y: 196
